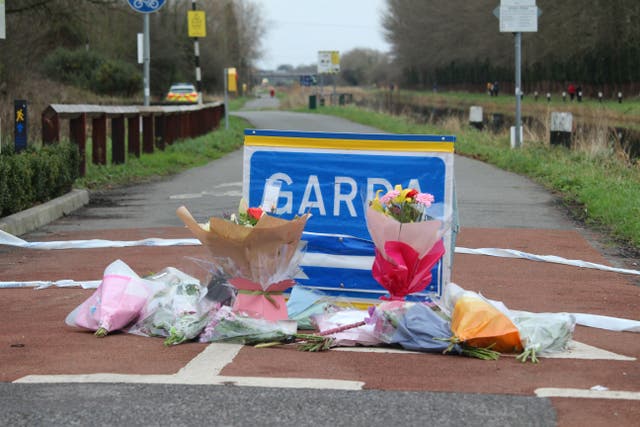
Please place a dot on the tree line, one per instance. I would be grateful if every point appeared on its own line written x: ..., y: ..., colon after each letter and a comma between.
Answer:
x: 594, y: 43
x: 105, y: 32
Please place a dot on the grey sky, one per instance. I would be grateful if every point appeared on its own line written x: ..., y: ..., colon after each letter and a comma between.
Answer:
x: 298, y: 29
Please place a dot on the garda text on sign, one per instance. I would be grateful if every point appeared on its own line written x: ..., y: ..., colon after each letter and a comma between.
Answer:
x: 333, y: 176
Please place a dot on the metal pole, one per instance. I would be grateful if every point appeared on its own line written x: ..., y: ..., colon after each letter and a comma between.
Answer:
x: 196, y: 52
x: 147, y: 59
x: 226, y: 101
x: 518, y: 39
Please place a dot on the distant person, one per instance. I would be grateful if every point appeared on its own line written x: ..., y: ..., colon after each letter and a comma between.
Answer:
x: 571, y: 89
x: 579, y: 93
x: 490, y: 88
x: 496, y: 88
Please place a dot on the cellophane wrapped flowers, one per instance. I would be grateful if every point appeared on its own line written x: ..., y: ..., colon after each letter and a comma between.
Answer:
x: 408, y: 242
x: 261, y: 260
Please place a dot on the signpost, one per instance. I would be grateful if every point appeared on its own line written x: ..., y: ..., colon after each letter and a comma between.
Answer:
x: 20, y: 121
x: 518, y: 16
x: 328, y: 63
x: 333, y: 176
x: 146, y: 7
x: 3, y: 23
x: 197, y: 27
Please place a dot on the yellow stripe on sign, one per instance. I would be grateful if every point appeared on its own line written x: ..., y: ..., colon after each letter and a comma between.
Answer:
x: 347, y: 144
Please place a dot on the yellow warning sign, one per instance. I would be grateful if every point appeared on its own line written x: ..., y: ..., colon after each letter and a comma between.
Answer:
x: 232, y: 80
x: 197, y: 23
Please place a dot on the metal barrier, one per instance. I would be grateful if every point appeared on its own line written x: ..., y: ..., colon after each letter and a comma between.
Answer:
x: 161, y: 126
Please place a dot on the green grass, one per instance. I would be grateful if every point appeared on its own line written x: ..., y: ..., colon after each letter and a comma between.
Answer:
x: 177, y: 157
x: 601, y: 191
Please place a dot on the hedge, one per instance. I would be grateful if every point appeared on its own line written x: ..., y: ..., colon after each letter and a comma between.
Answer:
x: 36, y: 175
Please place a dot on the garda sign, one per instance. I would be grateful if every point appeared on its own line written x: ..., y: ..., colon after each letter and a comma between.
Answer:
x: 333, y: 176
x: 146, y: 6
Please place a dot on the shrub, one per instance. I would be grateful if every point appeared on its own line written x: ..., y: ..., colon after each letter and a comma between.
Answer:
x: 116, y: 78
x: 72, y: 66
x: 35, y: 176
x: 89, y: 70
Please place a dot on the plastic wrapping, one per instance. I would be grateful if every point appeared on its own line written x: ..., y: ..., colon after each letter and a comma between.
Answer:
x: 179, y: 311
x: 227, y: 326
x: 116, y: 302
x: 261, y: 261
x: 408, y: 241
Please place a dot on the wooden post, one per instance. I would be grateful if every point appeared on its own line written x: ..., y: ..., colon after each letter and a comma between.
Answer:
x: 133, y: 135
x: 99, y: 138
x: 50, y: 126
x: 160, y: 130
x: 148, y: 134
x: 117, y: 140
x: 78, y: 136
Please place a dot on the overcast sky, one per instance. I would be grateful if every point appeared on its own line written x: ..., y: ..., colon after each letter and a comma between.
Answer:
x: 298, y: 29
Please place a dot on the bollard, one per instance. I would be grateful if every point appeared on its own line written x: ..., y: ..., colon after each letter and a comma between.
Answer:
x: 548, y: 97
x: 475, y: 117
x: 564, y: 96
x: 497, y: 121
x: 579, y: 96
x: 561, y: 129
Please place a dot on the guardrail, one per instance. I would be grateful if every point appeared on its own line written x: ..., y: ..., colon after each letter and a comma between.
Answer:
x: 158, y: 126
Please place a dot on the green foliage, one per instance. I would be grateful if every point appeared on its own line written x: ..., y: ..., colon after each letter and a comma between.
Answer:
x: 72, y: 66
x: 90, y: 70
x: 116, y: 78
x: 600, y: 191
x: 36, y: 175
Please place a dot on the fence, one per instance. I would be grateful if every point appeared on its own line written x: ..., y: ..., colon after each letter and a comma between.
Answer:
x: 157, y: 125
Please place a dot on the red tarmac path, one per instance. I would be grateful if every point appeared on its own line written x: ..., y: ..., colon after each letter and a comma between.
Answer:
x: 34, y: 339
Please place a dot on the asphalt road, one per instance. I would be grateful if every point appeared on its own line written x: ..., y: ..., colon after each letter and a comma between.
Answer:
x: 493, y: 204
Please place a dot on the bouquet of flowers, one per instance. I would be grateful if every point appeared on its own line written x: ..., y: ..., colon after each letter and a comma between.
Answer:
x: 115, y: 303
x: 420, y: 327
x: 261, y: 259
x: 178, y: 312
x: 224, y: 325
x: 408, y: 242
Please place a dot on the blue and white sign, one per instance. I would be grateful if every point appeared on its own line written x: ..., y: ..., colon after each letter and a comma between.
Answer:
x: 334, y: 176
x: 146, y: 6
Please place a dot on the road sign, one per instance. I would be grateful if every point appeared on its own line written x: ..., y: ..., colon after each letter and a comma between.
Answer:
x: 197, y: 23
x: 328, y: 62
x: 518, y: 16
x: 3, y: 24
x: 333, y: 176
x: 20, y: 121
x: 308, y: 80
x: 146, y: 6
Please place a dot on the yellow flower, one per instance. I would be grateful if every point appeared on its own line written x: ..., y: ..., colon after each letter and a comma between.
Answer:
x: 375, y: 203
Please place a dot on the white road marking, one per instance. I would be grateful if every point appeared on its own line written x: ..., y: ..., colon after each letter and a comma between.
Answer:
x: 577, y: 350
x: 202, y: 370
x: 587, y: 394
x: 206, y: 367
x: 229, y: 193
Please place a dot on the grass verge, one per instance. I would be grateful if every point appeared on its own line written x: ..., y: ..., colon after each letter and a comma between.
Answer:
x: 599, y: 190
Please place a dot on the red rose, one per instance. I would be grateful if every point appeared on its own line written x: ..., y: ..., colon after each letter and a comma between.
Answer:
x: 255, y: 213
x: 412, y: 193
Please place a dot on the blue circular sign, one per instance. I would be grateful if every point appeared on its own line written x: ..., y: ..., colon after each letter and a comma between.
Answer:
x: 146, y: 6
